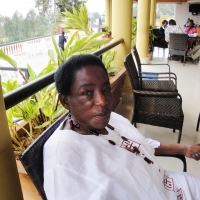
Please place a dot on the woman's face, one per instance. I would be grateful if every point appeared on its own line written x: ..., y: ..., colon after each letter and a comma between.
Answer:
x: 91, y: 99
x: 165, y: 24
x: 190, y: 24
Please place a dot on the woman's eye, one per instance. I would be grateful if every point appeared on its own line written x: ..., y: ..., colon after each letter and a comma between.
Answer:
x: 86, y: 93
x: 107, y: 89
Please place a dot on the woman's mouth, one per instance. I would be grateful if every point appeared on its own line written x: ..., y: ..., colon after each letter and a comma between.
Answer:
x: 103, y: 115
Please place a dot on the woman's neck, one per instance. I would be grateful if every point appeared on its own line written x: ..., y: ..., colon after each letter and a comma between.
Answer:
x: 82, y: 130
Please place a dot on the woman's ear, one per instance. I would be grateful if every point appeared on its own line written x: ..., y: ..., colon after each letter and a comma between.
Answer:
x: 64, y: 101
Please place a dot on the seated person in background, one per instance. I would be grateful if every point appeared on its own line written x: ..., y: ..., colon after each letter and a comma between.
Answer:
x: 160, y: 40
x: 98, y: 154
x: 172, y: 28
x: 162, y: 28
x: 191, y: 29
x: 187, y: 22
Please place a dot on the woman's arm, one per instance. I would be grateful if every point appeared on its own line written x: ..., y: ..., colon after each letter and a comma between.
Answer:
x: 185, y: 29
x: 190, y: 151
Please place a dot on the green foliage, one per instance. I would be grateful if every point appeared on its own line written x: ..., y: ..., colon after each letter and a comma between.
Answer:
x: 105, y: 29
x: 45, y: 7
x: 39, y: 110
x: 8, y: 59
x: 107, y: 59
x: 43, y: 108
x: 9, y: 86
x: 19, y: 28
x: 76, y: 20
x: 134, y: 31
x: 76, y: 46
x: 67, y: 5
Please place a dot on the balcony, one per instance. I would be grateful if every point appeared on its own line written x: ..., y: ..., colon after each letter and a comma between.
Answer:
x: 189, y: 86
x: 188, y: 83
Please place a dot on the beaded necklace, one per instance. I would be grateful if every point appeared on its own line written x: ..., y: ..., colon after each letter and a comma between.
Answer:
x: 135, y: 150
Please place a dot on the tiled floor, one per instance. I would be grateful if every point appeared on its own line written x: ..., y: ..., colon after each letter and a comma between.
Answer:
x: 188, y: 81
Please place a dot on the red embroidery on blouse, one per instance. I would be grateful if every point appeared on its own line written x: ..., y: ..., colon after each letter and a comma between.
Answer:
x: 129, y: 145
x: 179, y: 194
x: 168, y: 183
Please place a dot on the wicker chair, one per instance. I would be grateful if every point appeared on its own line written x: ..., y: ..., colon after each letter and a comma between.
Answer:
x: 32, y: 158
x: 162, y: 109
x: 198, y: 122
x: 168, y: 83
x: 139, y: 64
x: 159, y: 41
x: 178, y: 45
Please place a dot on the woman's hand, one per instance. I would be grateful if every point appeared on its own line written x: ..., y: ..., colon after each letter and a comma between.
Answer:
x: 193, y: 151
x: 188, y: 150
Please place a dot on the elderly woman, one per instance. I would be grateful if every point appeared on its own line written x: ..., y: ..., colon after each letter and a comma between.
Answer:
x: 98, y: 154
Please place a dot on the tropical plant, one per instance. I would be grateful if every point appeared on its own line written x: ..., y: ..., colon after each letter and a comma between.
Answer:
x: 134, y: 31
x: 105, y: 29
x: 39, y: 110
x: 76, y: 46
x: 43, y: 108
x: 76, y: 20
x: 107, y: 59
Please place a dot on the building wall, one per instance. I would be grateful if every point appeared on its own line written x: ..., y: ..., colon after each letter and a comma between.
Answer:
x: 182, y: 14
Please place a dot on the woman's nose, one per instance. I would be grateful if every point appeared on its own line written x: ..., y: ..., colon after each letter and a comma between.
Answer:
x: 100, y: 99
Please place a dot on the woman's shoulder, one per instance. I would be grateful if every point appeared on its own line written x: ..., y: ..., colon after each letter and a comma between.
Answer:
x: 115, y: 116
x: 194, y: 28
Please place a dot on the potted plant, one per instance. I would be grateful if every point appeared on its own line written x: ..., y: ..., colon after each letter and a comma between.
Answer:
x: 42, y: 109
x: 106, y: 30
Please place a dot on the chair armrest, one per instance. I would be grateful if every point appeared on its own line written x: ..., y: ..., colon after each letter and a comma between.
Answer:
x: 181, y: 157
x: 161, y: 73
x: 158, y: 94
x: 158, y: 64
x: 162, y: 77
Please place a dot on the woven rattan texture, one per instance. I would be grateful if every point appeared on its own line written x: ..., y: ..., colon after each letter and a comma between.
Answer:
x: 178, y: 44
x: 32, y: 158
x: 154, y: 108
x: 158, y: 85
x: 149, y: 85
x: 132, y: 72
x: 164, y: 112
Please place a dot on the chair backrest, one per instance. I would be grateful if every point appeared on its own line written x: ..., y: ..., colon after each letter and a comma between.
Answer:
x: 178, y: 41
x: 32, y: 157
x: 155, y: 31
x: 132, y: 71
x: 136, y: 58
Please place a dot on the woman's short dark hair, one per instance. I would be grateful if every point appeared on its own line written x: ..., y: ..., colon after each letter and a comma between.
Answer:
x: 192, y: 22
x: 65, y: 74
x: 164, y: 21
x: 172, y: 22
